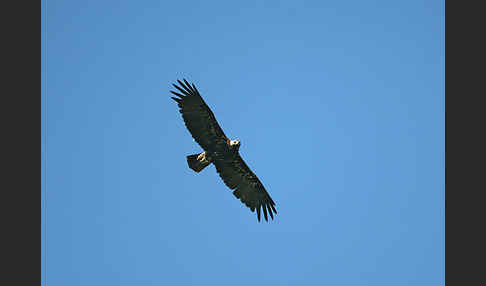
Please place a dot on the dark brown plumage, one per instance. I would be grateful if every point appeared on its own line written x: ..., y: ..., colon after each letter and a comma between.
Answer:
x: 221, y: 151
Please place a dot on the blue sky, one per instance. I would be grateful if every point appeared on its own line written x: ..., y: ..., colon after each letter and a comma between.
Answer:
x: 339, y: 106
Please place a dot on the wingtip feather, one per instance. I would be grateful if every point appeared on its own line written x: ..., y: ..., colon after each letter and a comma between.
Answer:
x: 265, y: 212
x: 270, y: 211
x: 176, y: 93
x: 188, y: 85
x: 187, y: 89
x: 184, y: 91
x: 195, y: 89
x: 273, y: 208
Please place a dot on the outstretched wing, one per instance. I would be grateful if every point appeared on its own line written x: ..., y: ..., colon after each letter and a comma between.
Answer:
x: 199, y: 119
x: 246, y: 185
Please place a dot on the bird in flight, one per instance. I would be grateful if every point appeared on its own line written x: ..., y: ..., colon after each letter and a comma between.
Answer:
x: 220, y: 151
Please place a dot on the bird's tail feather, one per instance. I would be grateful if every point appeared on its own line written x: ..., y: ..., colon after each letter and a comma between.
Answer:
x: 197, y: 162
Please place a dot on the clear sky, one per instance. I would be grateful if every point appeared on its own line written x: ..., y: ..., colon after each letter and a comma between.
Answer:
x: 339, y: 106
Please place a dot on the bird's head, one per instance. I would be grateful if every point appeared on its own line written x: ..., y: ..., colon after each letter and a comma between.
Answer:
x: 235, y: 144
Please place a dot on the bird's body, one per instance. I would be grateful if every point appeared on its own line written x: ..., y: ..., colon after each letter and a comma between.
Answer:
x: 220, y: 151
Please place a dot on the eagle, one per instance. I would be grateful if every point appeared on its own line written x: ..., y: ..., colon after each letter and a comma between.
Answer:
x: 221, y: 151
